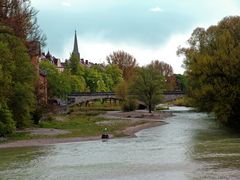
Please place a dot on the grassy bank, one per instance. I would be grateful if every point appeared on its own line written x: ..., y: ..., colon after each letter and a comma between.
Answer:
x: 80, y: 122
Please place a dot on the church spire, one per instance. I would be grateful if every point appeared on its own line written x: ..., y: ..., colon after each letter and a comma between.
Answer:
x: 75, y: 48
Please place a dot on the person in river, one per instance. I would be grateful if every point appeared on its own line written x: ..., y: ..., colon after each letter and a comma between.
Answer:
x: 105, y: 134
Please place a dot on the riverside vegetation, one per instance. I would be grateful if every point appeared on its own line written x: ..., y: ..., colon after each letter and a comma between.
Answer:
x: 212, y: 63
x: 81, y: 122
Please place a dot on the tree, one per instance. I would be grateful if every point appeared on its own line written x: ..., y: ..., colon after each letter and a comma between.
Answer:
x: 18, y: 83
x: 122, y: 90
x: 181, y: 82
x: 7, y: 124
x: 21, y: 18
x: 115, y: 74
x: 74, y: 64
x: 6, y: 69
x: 163, y: 68
x: 78, y: 84
x: 94, y: 80
x: 126, y: 62
x: 75, y: 71
x: 166, y: 71
x: 58, y: 84
x: 148, y: 86
x: 212, y: 63
x: 17, y: 75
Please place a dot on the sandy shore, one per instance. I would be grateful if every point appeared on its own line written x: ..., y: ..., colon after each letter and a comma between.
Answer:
x: 41, y: 142
x: 129, y: 131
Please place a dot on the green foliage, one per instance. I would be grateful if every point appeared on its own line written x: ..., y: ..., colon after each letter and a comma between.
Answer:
x: 18, y: 78
x: 103, y: 79
x: 74, y: 65
x: 7, y: 124
x: 18, y: 18
x: 78, y: 78
x: 148, y: 86
x: 122, y: 90
x: 212, y: 64
x: 6, y: 67
x: 129, y: 105
x: 94, y: 80
x: 181, y: 82
x: 185, y: 101
x: 58, y: 83
x: 85, y: 123
x: 22, y: 104
x: 77, y: 83
x: 115, y: 74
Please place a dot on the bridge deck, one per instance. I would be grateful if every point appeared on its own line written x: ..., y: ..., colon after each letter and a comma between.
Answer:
x: 76, y: 98
x: 113, y: 94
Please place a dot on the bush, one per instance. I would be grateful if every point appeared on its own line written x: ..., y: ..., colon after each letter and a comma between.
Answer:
x: 129, y: 105
x: 37, y: 115
x: 7, y: 125
x: 185, y: 101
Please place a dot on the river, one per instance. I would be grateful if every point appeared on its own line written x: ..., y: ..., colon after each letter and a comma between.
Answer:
x: 191, y: 146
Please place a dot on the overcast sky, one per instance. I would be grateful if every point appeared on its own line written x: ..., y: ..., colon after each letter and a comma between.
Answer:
x: 147, y: 29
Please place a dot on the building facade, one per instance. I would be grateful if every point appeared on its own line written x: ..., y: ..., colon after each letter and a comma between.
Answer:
x: 34, y: 49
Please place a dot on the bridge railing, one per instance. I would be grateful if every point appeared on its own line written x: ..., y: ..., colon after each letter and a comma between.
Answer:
x: 93, y: 94
x: 174, y: 92
x: 113, y: 94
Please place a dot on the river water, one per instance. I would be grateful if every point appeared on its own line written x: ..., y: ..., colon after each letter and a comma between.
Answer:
x: 191, y: 146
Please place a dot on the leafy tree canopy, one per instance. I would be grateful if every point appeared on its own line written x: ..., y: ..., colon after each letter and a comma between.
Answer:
x: 17, y: 91
x: 212, y: 63
x: 58, y: 83
x: 125, y: 61
x: 20, y: 16
x: 148, y: 86
x: 166, y: 71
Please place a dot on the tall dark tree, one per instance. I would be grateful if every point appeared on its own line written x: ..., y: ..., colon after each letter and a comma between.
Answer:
x: 18, y: 83
x: 125, y: 61
x: 7, y: 125
x: 74, y: 64
x: 20, y: 16
x: 212, y: 63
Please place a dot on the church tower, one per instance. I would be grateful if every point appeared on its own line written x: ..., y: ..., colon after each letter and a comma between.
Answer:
x: 75, y: 47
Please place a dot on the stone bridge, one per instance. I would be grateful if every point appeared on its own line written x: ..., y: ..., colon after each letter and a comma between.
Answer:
x: 79, y: 98
x: 172, y: 95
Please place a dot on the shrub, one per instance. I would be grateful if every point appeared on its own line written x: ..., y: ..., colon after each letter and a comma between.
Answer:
x: 129, y: 105
x: 7, y: 125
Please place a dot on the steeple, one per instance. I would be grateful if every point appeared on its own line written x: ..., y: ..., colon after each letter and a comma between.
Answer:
x: 75, y: 47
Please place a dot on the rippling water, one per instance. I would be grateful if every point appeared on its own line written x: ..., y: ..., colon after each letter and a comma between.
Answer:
x: 191, y: 146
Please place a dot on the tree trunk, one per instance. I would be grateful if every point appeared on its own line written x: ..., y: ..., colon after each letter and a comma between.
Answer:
x: 149, y: 108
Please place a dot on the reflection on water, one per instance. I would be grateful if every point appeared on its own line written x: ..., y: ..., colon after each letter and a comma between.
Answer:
x: 191, y: 146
